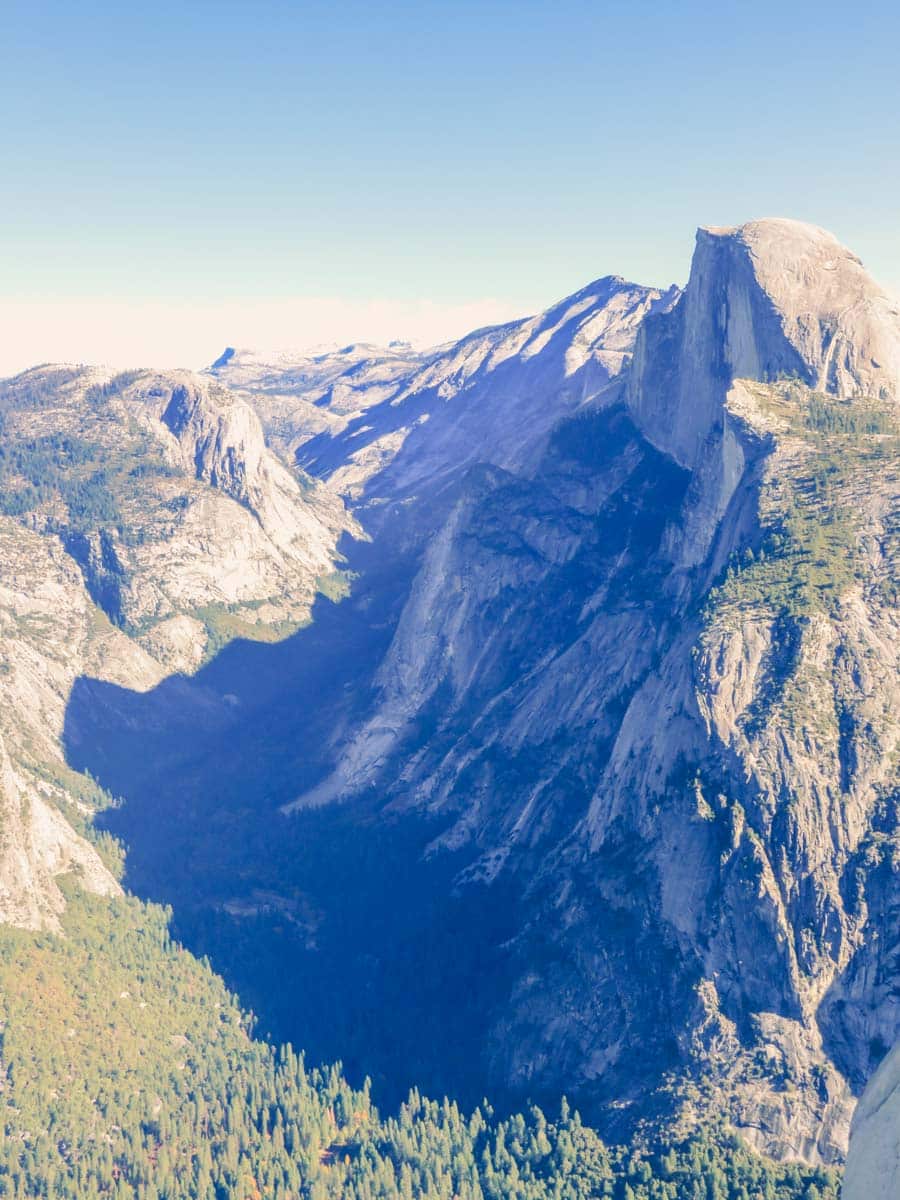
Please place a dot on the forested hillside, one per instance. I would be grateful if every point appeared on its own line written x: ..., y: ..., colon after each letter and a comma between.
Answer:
x: 129, y: 1071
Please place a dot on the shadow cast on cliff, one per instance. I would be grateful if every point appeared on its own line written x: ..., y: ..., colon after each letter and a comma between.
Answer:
x: 334, y: 927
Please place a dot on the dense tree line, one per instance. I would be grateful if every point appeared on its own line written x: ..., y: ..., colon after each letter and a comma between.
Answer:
x: 87, y: 477
x: 128, y: 1070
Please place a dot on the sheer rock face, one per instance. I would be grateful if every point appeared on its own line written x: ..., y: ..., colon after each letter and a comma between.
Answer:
x: 197, y: 522
x: 767, y: 299
x: 695, y: 787
x: 221, y: 442
x: 139, y: 511
x: 873, y: 1161
x: 493, y: 402
x: 38, y: 844
x: 50, y: 631
x: 782, y: 724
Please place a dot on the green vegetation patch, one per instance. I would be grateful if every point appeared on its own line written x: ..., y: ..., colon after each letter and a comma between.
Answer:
x: 131, y: 1071
x: 227, y: 622
x: 335, y: 586
x: 88, y: 477
x: 809, y: 554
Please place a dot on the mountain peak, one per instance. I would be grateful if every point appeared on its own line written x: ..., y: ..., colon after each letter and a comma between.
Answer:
x: 843, y: 325
x: 775, y: 229
x: 793, y: 255
x: 768, y: 298
x: 225, y: 357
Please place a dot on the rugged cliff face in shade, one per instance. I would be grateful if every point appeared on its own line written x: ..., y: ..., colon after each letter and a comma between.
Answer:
x: 144, y: 523
x: 653, y: 641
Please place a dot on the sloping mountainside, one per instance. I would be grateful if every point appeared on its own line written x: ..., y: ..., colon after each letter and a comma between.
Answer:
x: 587, y: 786
x: 394, y: 424
x: 142, y: 524
x: 643, y: 682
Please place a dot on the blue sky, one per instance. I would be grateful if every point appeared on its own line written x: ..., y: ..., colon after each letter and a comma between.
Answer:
x: 175, y: 176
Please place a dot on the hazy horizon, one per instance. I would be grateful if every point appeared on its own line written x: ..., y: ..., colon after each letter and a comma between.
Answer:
x: 179, y: 180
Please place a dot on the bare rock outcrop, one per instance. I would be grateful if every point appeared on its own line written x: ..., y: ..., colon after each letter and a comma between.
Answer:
x: 399, y: 423
x: 37, y: 844
x: 873, y: 1160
